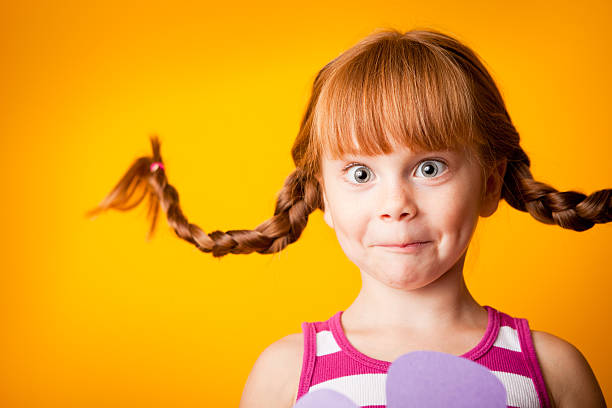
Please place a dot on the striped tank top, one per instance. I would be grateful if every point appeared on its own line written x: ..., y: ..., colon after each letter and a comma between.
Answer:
x: 506, y: 349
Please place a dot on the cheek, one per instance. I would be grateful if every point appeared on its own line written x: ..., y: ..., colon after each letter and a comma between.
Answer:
x: 350, y: 225
x: 457, y: 216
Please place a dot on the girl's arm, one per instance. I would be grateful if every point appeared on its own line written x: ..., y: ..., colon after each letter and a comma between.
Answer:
x: 275, y: 376
x: 568, y: 376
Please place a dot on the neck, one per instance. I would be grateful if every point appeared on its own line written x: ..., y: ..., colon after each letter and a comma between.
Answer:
x: 441, y: 305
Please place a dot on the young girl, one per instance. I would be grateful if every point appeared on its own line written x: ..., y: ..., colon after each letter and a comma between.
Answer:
x: 405, y: 143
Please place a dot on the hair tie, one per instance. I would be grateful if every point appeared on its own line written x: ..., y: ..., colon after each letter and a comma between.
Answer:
x: 157, y: 165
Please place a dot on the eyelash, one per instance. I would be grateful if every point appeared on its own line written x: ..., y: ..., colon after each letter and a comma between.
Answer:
x: 353, y: 164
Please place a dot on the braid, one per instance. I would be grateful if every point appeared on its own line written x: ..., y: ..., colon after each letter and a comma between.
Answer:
x: 568, y: 209
x: 299, y: 197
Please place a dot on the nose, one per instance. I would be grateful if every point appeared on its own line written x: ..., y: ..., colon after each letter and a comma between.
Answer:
x: 398, y: 204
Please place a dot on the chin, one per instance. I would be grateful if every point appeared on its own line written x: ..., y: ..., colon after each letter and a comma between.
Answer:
x: 405, y: 279
x: 400, y: 282
x: 405, y: 287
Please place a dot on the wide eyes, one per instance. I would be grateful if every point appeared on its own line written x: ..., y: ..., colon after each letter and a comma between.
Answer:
x: 360, y: 174
x: 428, y: 169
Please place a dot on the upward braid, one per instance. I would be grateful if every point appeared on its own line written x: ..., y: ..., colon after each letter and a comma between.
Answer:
x: 298, y: 198
x: 568, y: 209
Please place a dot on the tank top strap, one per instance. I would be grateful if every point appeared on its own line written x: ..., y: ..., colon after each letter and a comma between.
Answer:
x: 308, y: 360
x: 524, y: 334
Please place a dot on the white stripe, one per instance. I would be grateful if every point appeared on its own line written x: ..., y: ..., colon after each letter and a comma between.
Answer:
x: 326, y: 344
x: 508, y: 338
x: 369, y: 389
x: 362, y: 389
x: 520, y: 390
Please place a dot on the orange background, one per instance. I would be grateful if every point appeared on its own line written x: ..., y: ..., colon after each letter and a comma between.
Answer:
x: 92, y: 315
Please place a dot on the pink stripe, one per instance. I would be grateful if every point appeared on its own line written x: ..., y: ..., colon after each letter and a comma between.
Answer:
x: 506, y: 320
x: 501, y: 359
x: 339, y: 364
x: 321, y: 325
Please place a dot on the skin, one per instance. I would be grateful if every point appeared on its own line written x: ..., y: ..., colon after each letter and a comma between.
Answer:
x: 397, y: 198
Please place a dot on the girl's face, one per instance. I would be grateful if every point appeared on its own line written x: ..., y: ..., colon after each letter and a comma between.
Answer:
x: 377, y: 202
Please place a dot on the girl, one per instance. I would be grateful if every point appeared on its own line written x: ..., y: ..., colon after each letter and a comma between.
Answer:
x: 405, y: 143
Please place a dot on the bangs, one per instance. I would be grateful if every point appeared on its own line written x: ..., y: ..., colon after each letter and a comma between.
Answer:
x: 395, y: 93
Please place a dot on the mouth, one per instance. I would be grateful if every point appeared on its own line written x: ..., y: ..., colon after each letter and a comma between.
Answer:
x: 405, y: 245
x: 408, y: 248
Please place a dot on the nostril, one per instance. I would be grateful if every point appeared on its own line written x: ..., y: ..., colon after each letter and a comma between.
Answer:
x: 400, y: 217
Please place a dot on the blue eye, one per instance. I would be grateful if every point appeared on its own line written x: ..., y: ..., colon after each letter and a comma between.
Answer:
x: 429, y: 169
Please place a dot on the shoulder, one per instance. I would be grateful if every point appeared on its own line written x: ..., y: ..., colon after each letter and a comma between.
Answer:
x: 569, y: 379
x: 275, y: 376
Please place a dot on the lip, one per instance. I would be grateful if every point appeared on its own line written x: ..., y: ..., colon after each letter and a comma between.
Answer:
x: 406, y: 248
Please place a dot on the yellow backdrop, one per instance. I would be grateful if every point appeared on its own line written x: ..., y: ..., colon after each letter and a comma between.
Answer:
x: 92, y: 315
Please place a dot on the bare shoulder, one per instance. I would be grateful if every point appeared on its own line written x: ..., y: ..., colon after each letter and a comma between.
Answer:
x: 569, y: 379
x: 274, y: 378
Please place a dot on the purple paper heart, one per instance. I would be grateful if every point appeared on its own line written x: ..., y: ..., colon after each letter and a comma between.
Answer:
x: 435, y: 379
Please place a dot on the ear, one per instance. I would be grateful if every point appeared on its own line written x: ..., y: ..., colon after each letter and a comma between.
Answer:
x: 494, y: 182
x: 326, y: 213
